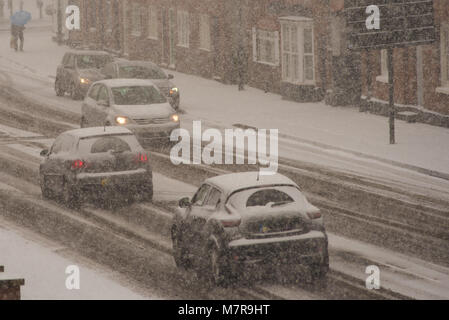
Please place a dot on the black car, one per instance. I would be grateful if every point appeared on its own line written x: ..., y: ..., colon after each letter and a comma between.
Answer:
x: 240, y: 220
x: 98, y: 163
x: 125, y: 69
x: 78, y: 71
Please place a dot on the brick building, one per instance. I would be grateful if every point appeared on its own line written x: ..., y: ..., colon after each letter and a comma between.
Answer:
x: 293, y: 47
x: 420, y: 76
x: 281, y: 46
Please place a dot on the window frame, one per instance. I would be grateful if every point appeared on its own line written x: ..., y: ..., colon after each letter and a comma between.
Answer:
x: 262, y: 35
x: 136, y: 19
x: 444, y: 58
x: 183, y: 23
x: 292, y: 46
x: 205, y: 37
x: 152, y: 23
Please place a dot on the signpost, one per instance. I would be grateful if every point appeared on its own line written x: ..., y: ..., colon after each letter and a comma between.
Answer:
x: 389, y: 24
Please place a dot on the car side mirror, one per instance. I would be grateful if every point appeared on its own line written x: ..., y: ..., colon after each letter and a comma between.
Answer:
x: 44, y: 153
x: 184, y: 203
x: 170, y: 76
x: 103, y: 103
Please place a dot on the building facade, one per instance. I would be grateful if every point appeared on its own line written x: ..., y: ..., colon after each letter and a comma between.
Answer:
x: 420, y: 76
x: 293, y: 47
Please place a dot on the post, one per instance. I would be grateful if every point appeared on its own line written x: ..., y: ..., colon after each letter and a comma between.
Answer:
x: 59, y: 16
x: 391, y: 94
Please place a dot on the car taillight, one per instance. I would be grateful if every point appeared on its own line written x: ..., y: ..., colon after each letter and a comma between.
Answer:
x: 78, y: 164
x: 231, y: 223
x: 314, y: 215
x: 142, y: 158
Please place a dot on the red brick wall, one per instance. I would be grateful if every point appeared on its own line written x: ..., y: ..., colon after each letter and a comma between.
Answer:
x: 405, y: 71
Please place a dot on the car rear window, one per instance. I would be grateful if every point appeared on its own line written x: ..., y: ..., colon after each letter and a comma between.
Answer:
x: 119, y: 143
x: 92, y: 61
x: 268, y: 197
x: 137, y: 95
x: 141, y: 72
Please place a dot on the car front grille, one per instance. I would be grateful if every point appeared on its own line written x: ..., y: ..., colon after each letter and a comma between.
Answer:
x: 151, y: 121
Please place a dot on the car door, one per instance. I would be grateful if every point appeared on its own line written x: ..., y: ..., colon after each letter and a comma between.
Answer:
x: 60, y: 71
x: 89, y: 104
x: 69, y: 71
x: 102, y: 111
x: 53, y: 169
x: 194, y: 214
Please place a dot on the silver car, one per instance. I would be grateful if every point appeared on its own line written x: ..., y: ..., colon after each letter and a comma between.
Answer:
x: 241, y: 220
x: 96, y: 162
x: 135, y: 104
x: 126, y: 69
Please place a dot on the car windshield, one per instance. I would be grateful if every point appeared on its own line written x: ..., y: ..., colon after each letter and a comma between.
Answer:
x: 137, y: 95
x: 109, y: 143
x: 92, y: 61
x: 141, y: 72
x: 268, y: 197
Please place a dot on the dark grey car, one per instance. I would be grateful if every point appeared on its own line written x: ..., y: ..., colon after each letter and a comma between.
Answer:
x: 237, y: 221
x: 125, y: 69
x: 99, y: 163
x: 78, y: 70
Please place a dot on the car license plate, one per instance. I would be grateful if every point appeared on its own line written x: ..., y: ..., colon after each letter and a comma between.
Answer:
x: 104, y: 182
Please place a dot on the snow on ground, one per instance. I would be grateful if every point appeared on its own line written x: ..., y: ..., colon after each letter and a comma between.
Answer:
x: 42, y: 263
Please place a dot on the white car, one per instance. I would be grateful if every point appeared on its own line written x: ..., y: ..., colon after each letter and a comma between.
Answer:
x: 133, y: 103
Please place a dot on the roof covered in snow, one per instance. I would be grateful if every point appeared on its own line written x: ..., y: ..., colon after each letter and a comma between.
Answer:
x: 113, y: 83
x: 242, y: 180
x: 98, y: 131
x: 89, y: 52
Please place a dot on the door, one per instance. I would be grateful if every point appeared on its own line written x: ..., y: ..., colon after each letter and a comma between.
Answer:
x: 68, y: 71
x: 53, y: 169
x: 171, y: 38
x: 194, y: 218
x: 89, y: 104
x: 101, y: 111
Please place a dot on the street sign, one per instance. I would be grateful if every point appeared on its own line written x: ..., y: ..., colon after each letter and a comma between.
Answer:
x: 381, y: 24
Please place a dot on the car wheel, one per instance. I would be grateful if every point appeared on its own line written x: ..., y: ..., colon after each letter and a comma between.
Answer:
x: 83, y: 123
x: 319, y: 271
x: 217, y: 268
x: 46, y: 194
x: 70, y: 197
x: 74, y: 95
x: 147, y: 195
x: 59, y: 91
x: 179, y: 254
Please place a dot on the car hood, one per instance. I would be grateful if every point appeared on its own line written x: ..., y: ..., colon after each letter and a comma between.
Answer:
x: 91, y: 74
x: 160, y: 110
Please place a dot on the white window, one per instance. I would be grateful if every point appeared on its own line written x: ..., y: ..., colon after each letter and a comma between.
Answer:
x: 204, y: 32
x: 109, y: 16
x: 152, y: 22
x: 383, y: 77
x: 266, y: 47
x: 136, y: 19
x: 445, y: 55
x: 298, y: 61
x: 183, y: 29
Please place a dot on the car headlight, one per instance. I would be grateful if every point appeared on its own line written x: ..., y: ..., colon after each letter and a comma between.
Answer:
x: 121, y: 120
x: 84, y: 80
x: 174, y: 91
x: 174, y: 118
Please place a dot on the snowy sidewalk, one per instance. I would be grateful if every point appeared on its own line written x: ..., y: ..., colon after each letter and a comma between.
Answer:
x: 43, y: 264
x: 342, y: 131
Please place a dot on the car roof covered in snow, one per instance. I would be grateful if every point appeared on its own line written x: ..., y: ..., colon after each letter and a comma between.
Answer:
x: 114, y: 83
x: 244, y: 180
x: 136, y: 63
x: 89, y: 52
x: 97, y: 131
